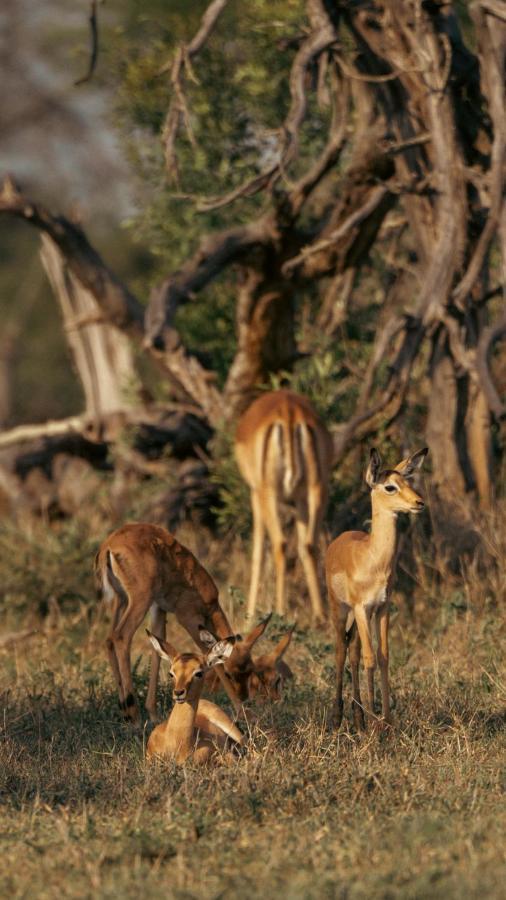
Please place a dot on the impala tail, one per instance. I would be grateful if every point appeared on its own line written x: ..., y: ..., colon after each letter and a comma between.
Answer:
x: 297, y: 454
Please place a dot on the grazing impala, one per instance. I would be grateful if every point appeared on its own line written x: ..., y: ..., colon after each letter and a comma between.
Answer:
x: 360, y: 568
x: 141, y: 567
x: 196, y: 729
x: 284, y: 453
x: 269, y: 673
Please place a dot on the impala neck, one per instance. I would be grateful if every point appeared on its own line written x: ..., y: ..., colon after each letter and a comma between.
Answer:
x: 383, y: 536
x: 179, y: 729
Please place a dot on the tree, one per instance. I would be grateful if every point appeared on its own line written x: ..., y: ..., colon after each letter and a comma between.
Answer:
x: 404, y: 195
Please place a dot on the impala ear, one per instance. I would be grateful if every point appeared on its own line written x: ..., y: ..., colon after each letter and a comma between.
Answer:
x: 206, y: 638
x: 163, y: 648
x: 256, y: 632
x: 373, y: 469
x: 219, y: 652
x: 281, y: 648
x: 409, y: 465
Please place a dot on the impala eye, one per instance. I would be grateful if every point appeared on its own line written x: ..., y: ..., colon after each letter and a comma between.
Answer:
x: 172, y: 674
x: 198, y: 674
x: 390, y: 488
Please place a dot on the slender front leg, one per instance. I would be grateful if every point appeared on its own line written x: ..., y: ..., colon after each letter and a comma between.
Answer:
x: 355, y: 647
x: 382, y: 622
x: 158, y: 619
x: 337, y: 712
x: 364, y: 629
x: 258, y: 548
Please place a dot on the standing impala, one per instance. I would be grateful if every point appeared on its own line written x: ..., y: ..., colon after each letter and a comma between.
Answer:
x: 141, y: 567
x: 284, y: 453
x: 360, y: 568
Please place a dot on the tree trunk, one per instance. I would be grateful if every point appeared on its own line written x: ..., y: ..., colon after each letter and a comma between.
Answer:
x: 102, y: 354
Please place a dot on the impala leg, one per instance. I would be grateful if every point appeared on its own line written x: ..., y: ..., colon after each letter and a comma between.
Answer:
x: 191, y: 624
x: 306, y: 539
x: 337, y: 712
x: 364, y: 630
x: 257, y: 555
x: 270, y: 515
x: 158, y: 619
x: 122, y: 638
x: 355, y: 648
x: 109, y: 645
x: 382, y: 622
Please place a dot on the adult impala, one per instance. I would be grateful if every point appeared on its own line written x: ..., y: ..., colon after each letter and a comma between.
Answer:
x: 284, y: 453
x: 196, y: 729
x: 360, y: 568
x: 141, y: 567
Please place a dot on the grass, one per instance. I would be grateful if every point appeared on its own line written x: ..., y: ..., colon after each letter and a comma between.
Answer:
x: 415, y: 812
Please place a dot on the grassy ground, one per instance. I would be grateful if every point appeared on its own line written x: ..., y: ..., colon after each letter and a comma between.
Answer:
x: 415, y: 812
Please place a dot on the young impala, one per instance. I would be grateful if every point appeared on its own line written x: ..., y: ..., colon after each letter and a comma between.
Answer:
x: 284, y: 453
x: 196, y: 728
x: 141, y: 567
x: 360, y: 568
x: 269, y: 673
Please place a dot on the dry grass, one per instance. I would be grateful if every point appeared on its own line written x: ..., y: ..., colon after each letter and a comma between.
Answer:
x: 415, y: 812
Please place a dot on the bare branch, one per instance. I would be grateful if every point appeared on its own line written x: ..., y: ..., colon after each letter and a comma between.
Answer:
x: 247, y: 189
x: 488, y: 338
x: 24, y: 433
x: 215, y: 252
x: 373, y: 201
x: 389, y: 403
x: 94, y: 45
x: 309, y: 50
x: 178, y: 110
x: 119, y: 305
x: 493, y: 45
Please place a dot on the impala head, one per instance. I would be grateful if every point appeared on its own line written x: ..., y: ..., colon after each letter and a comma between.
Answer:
x: 270, y: 671
x: 390, y: 487
x: 188, y: 669
x: 246, y: 675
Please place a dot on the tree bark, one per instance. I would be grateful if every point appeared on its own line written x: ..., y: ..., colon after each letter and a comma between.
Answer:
x: 102, y: 354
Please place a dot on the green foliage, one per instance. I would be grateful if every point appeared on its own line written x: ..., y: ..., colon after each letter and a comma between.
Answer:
x: 42, y: 567
x: 234, y: 512
x: 236, y: 96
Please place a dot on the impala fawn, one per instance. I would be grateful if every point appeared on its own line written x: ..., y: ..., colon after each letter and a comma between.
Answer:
x: 196, y: 729
x: 360, y: 569
x: 268, y: 675
x: 284, y: 453
x: 141, y: 567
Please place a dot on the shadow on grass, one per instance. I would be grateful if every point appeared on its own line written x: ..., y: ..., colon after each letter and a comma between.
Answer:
x: 482, y: 722
x: 62, y: 750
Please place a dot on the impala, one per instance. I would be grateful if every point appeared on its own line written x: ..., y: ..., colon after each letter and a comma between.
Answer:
x: 196, y: 728
x: 284, y: 453
x: 268, y: 675
x: 141, y: 567
x: 360, y: 568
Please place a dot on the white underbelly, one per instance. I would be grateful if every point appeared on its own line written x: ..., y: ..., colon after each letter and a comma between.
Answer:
x: 377, y: 599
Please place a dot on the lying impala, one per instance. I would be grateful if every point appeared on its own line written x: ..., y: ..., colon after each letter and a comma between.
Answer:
x: 284, y: 453
x: 360, y: 569
x: 196, y: 728
x: 141, y: 567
